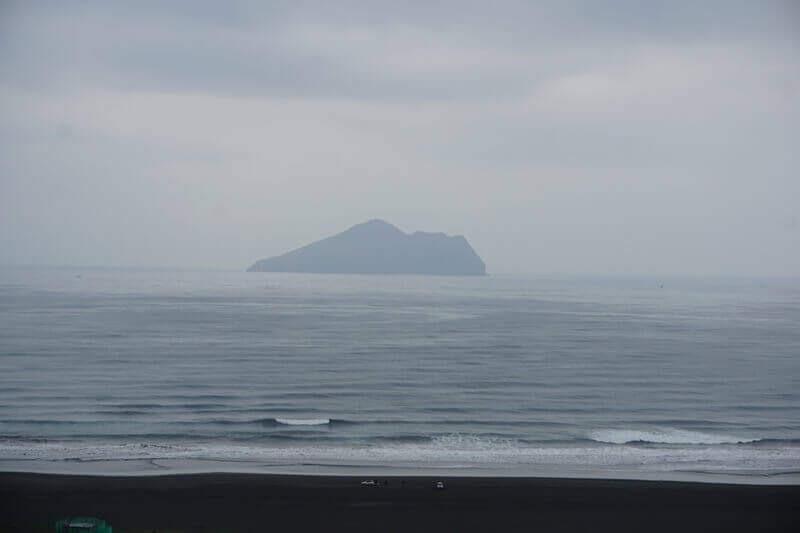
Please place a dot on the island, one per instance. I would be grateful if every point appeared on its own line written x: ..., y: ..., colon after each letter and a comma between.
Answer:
x: 377, y: 247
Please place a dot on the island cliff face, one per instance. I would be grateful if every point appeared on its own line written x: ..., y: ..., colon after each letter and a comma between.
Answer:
x: 377, y: 247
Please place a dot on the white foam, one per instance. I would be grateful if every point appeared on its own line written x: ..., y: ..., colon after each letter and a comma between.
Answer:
x: 446, y: 451
x: 303, y: 421
x: 470, y: 443
x: 664, y: 436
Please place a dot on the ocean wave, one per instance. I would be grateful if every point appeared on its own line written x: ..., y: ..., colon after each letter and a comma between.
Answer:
x: 39, y: 421
x: 282, y: 421
x: 471, y: 442
x: 128, y: 412
x: 664, y: 436
x: 401, y: 439
x: 777, y: 441
x: 303, y: 421
x: 441, y: 451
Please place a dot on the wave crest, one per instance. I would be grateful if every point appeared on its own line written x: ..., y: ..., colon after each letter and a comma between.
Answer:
x: 303, y: 421
x: 664, y: 436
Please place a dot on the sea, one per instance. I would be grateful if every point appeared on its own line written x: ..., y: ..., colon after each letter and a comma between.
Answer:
x: 142, y: 372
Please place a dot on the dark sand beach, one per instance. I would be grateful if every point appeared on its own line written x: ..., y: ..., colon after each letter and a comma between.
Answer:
x: 244, y: 502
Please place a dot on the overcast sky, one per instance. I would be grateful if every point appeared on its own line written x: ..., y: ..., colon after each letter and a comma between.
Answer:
x: 559, y: 137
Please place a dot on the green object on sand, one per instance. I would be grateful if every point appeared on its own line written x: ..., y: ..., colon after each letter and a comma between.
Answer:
x: 82, y: 524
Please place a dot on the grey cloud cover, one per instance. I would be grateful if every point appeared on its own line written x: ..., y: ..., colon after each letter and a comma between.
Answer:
x: 559, y: 137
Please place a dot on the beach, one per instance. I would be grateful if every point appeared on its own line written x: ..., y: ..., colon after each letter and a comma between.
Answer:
x: 255, y: 502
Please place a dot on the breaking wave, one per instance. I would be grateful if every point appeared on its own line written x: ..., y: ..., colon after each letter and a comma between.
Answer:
x: 664, y: 436
x: 444, y: 451
x: 303, y: 421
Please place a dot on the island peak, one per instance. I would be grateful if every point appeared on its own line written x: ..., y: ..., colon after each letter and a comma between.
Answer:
x: 378, y: 247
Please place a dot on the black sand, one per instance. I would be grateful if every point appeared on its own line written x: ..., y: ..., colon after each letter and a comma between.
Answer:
x: 241, y: 502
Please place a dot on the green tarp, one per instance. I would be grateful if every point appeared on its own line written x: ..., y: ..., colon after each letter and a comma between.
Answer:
x: 82, y: 524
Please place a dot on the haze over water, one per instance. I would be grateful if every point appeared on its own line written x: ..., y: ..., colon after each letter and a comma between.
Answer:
x: 152, y: 372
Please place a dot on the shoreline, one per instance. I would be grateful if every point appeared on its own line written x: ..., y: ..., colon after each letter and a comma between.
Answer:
x: 259, y: 502
x: 155, y: 467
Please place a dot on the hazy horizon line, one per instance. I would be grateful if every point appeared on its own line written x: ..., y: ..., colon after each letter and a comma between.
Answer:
x: 500, y: 274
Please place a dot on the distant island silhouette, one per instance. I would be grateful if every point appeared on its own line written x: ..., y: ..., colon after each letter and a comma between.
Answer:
x: 377, y: 247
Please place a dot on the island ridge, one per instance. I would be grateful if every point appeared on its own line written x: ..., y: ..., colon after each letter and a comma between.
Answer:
x: 377, y: 247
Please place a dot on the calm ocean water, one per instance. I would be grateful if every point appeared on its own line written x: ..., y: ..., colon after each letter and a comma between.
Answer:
x: 149, y: 372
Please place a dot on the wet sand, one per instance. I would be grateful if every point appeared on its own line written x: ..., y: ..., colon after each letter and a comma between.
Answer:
x: 254, y: 502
